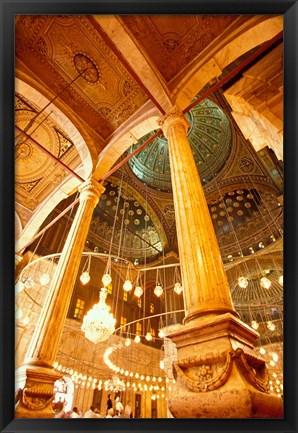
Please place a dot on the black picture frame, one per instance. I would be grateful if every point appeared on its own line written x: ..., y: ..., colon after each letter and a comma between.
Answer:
x: 289, y: 9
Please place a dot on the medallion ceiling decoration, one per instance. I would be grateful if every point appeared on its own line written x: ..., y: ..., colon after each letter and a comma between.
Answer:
x: 173, y: 44
x: 134, y: 231
x: 69, y: 48
x: 34, y: 169
x: 210, y: 139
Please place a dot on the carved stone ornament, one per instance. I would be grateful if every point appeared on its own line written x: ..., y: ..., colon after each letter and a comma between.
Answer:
x: 252, y: 368
x: 36, y: 397
x: 209, y: 372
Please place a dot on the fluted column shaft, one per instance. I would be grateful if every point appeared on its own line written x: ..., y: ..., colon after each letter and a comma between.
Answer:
x: 206, y: 289
x: 44, y: 344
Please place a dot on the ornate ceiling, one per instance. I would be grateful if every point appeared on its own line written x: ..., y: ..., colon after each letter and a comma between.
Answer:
x: 173, y: 44
x: 112, y: 78
x: 72, y: 49
x: 209, y: 135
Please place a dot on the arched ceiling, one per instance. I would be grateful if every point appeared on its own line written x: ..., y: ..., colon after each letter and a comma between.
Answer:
x: 173, y: 44
x: 37, y: 174
x: 105, y: 72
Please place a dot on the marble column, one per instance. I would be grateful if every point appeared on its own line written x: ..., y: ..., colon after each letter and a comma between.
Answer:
x: 218, y: 374
x: 36, y: 376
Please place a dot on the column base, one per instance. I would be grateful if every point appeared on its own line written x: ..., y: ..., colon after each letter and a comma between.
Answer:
x: 218, y: 374
x: 36, y: 385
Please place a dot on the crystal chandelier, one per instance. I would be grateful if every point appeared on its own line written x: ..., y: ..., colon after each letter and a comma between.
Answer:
x: 115, y: 384
x: 99, y: 324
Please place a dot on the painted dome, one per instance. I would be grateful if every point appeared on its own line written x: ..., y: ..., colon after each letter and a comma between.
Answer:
x: 210, y: 139
x: 120, y: 218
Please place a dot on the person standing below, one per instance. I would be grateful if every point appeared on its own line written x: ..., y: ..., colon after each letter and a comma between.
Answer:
x: 127, y: 410
x: 118, y: 406
x: 90, y: 413
x: 75, y: 413
x: 109, y: 403
x: 110, y: 413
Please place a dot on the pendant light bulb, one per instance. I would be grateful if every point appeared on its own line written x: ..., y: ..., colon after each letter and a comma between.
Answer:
x: 242, y: 282
x: 265, y: 282
x: 85, y: 277
x: 127, y: 286
x: 178, y: 288
x: 106, y: 279
x: 44, y: 279
x: 254, y: 324
x: 158, y: 291
x: 138, y: 291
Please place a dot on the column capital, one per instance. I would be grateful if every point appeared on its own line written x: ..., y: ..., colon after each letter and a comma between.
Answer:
x: 91, y: 189
x: 171, y: 118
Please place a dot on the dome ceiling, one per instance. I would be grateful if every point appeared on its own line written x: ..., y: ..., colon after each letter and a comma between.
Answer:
x: 210, y: 139
x: 236, y: 207
x: 134, y: 236
x: 255, y: 294
x: 242, y: 214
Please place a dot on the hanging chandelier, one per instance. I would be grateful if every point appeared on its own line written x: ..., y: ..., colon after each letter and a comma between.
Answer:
x: 115, y: 384
x: 99, y: 324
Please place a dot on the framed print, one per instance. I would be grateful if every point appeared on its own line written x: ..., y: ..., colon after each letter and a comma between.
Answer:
x: 149, y: 203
